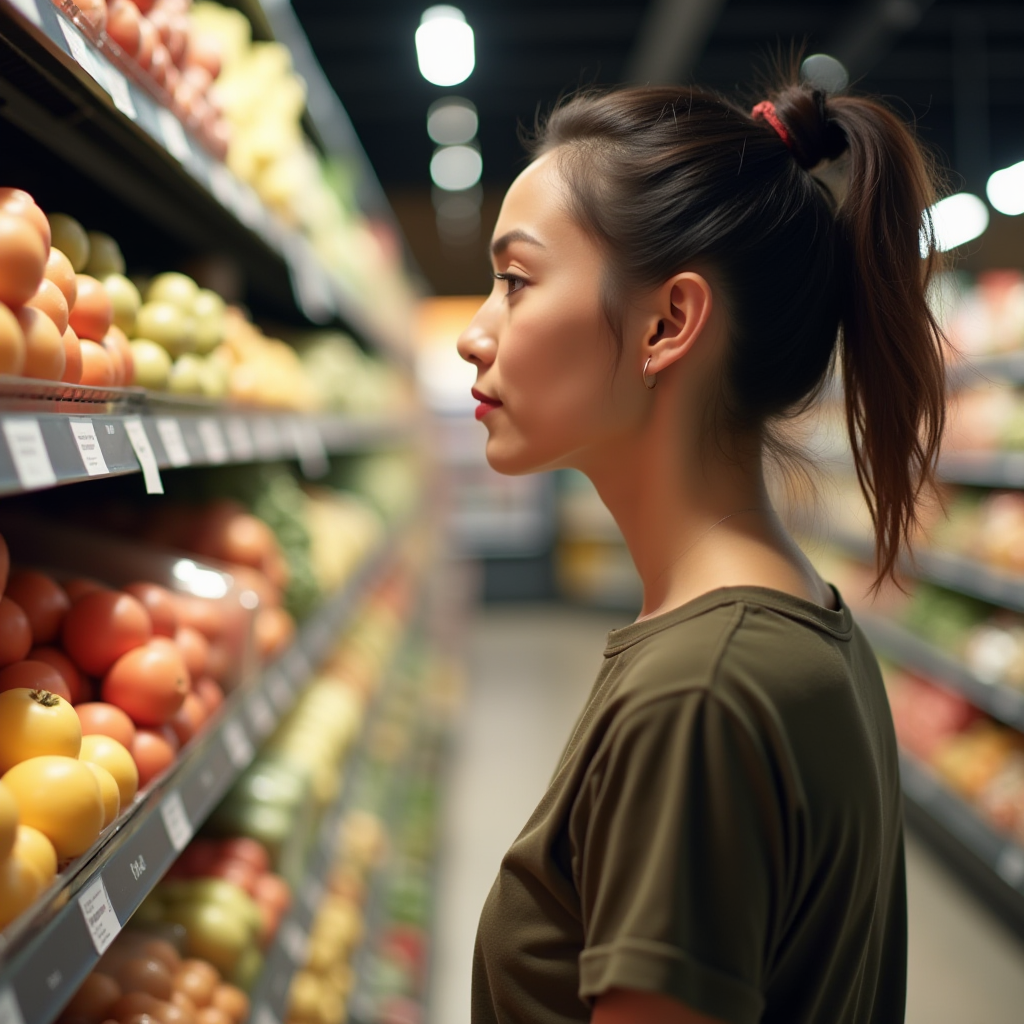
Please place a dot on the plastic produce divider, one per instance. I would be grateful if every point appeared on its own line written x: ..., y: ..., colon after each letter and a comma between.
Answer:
x: 41, y: 974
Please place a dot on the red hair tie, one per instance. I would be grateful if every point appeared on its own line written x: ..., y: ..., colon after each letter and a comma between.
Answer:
x: 765, y: 111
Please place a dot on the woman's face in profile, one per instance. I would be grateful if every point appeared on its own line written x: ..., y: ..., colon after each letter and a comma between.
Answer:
x: 552, y: 388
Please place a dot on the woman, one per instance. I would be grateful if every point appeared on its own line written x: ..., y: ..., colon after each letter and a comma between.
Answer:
x: 722, y: 841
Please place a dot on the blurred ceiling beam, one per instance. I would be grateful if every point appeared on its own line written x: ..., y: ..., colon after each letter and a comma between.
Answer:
x: 869, y: 32
x: 671, y: 39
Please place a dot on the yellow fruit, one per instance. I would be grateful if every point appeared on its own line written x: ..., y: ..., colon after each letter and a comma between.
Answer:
x: 31, y: 847
x: 19, y: 886
x: 109, y: 792
x: 69, y: 236
x: 8, y: 821
x: 34, y: 723
x: 108, y: 753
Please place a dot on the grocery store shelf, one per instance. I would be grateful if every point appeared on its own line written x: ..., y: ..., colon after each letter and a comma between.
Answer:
x: 983, y: 469
x: 993, y: 864
x: 900, y: 645
x: 78, y: 96
x: 58, y: 434
x: 45, y: 957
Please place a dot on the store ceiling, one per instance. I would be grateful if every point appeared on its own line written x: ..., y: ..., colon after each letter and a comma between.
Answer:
x: 955, y: 68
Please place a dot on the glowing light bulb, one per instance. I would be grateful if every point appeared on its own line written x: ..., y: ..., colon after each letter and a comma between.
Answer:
x: 444, y: 46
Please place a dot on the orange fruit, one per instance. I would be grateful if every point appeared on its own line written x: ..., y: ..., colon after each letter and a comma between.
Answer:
x: 44, y: 345
x: 42, y: 599
x: 103, y: 626
x: 92, y: 313
x: 22, y: 259
x: 149, y: 682
x: 50, y: 300
x: 72, y: 358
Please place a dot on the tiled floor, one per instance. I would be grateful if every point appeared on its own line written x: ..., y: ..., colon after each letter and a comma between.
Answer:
x: 531, y: 668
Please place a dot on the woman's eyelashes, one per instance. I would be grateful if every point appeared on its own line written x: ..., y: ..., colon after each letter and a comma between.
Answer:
x: 514, y: 282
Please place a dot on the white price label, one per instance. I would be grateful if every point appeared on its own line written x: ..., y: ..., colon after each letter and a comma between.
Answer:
x: 294, y: 942
x: 29, y: 9
x: 88, y: 443
x: 99, y: 915
x: 173, y: 441
x: 179, y: 828
x: 29, y: 454
x: 239, y: 439
x: 266, y: 436
x: 117, y: 85
x: 174, y: 136
x: 238, y: 746
x: 10, y: 1011
x: 309, y: 447
x: 213, y: 441
x: 144, y: 453
x: 280, y: 691
x: 262, y: 715
x: 84, y: 55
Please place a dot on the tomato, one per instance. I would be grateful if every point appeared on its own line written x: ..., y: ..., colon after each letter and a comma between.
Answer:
x: 238, y: 872
x: 146, y: 974
x: 109, y: 792
x: 34, y: 723
x: 198, y: 980
x: 274, y: 891
x: 189, y: 718
x: 100, y: 719
x: 164, y: 951
x: 218, y: 664
x: 250, y: 851
x: 8, y: 821
x: 15, y: 632
x: 31, y: 847
x: 34, y: 675
x: 61, y: 797
x: 210, y: 693
x: 5, y: 564
x: 103, y: 626
x: 57, y: 659
x: 117, y: 760
x: 161, y: 604
x: 149, y: 683
x: 152, y: 755
x: 132, y: 1005
x: 195, y: 649
x: 19, y: 886
x: 79, y: 587
x: 203, y: 614
x: 42, y: 599
x: 92, y: 1002
x: 274, y: 630
x: 232, y: 1001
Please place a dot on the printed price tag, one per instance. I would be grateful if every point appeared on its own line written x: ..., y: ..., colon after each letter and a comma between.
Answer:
x: 261, y: 715
x: 84, y: 434
x: 144, y: 453
x: 213, y: 441
x: 99, y: 915
x: 29, y: 454
x: 173, y: 441
x: 267, y: 438
x: 239, y: 439
x: 174, y: 136
x: 179, y: 828
x: 309, y: 447
x: 236, y: 741
x: 117, y: 86
x: 280, y: 691
x: 10, y: 1011
x: 29, y: 9
x: 294, y: 942
x: 84, y: 55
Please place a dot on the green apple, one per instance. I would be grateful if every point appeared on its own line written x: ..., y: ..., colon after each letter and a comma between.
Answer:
x: 165, y: 324
x: 69, y: 236
x: 125, y: 299
x: 177, y: 289
x: 185, y: 375
x: 152, y: 364
x: 104, y: 256
x: 214, y: 932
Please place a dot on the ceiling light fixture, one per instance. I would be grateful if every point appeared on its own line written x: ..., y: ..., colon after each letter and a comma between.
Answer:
x: 1005, y: 190
x: 955, y: 220
x: 455, y: 168
x: 452, y: 121
x: 444, y: 46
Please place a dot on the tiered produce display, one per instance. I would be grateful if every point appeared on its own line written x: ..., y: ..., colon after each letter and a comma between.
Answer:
x: 953, y: 637
x: 216, y: 684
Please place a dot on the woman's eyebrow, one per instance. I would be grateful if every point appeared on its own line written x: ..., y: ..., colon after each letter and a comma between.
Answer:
x: 499, y: 245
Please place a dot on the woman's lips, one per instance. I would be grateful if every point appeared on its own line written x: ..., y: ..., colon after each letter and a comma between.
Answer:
x: 487, y: 404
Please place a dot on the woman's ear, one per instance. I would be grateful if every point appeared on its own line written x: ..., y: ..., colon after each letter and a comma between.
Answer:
x: 683, y: 305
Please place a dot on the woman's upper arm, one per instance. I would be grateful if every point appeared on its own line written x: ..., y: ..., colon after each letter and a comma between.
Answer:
x: 626, y: 1006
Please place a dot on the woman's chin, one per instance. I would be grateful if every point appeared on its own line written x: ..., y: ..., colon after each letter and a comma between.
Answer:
x: 512, y: 460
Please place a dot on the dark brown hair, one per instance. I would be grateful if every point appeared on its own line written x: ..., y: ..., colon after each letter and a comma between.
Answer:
x: 671, y: 177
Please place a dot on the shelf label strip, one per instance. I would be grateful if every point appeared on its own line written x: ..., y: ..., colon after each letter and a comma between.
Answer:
x: 29, y: 454
x: 173, y: 441
x: 213, y: 441
x: 144, y: 453
x: 237, y: 743
x: 84, y: 433
x: 99, y: 915
x: 179, y: 828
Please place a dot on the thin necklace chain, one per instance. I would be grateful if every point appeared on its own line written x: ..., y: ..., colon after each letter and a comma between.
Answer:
x: 687, y: 550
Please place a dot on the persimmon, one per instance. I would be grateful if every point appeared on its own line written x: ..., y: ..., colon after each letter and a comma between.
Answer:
x: 42, y: 599
x: 149, y: 682
x: 34, y: 675
x: 34, y: 723
x: 103, y: 626
x: 117, y: 760
x: 99, y: 719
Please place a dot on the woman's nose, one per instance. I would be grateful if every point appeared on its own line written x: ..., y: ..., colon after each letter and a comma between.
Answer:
x: 477, y: 345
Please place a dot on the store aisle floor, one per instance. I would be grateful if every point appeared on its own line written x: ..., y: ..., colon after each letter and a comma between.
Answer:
x: 530, y: 670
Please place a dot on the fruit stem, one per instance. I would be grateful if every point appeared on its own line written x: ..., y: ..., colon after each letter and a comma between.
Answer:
x: 44, y: 697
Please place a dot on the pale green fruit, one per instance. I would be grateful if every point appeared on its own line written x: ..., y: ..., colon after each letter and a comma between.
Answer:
x: 213, y: 379
x: 165, y: 324
x: 186, y: 374
x: 177, y: 289
x: 125, y: 299
x: 209, y: 314
x: 69, y: 236
x: 152, y: 364
x: 104, y: 256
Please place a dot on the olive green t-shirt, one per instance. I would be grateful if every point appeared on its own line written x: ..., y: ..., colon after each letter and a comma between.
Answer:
x: 725, y: 828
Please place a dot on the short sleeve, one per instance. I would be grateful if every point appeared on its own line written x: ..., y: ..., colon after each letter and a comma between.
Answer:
x: 678, y: 857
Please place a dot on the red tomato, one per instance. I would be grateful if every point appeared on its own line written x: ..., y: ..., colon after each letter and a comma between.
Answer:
x: 250, y: 851
x: 195, y: 649
x: 209, y: 692
x: 161, y: 604
x: 218, y: 664
x: 202, y: 614
x: 15, y: 632
x: 236, y: 871
x: 76, y: 684
x: 103, y: 626
x: 99, y: 719
x: 152, y: 754
x: 274, y: 891
x: 79, y: 587
x: 42, y: 599
x: 34, y: 675
x: 149, y: 682
x: 189, y: 718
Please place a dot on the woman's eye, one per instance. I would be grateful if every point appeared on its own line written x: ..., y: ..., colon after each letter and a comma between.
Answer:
x: 514, y: 282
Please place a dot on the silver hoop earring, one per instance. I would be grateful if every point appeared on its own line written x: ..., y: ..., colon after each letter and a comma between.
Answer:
x: 654, y: 379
